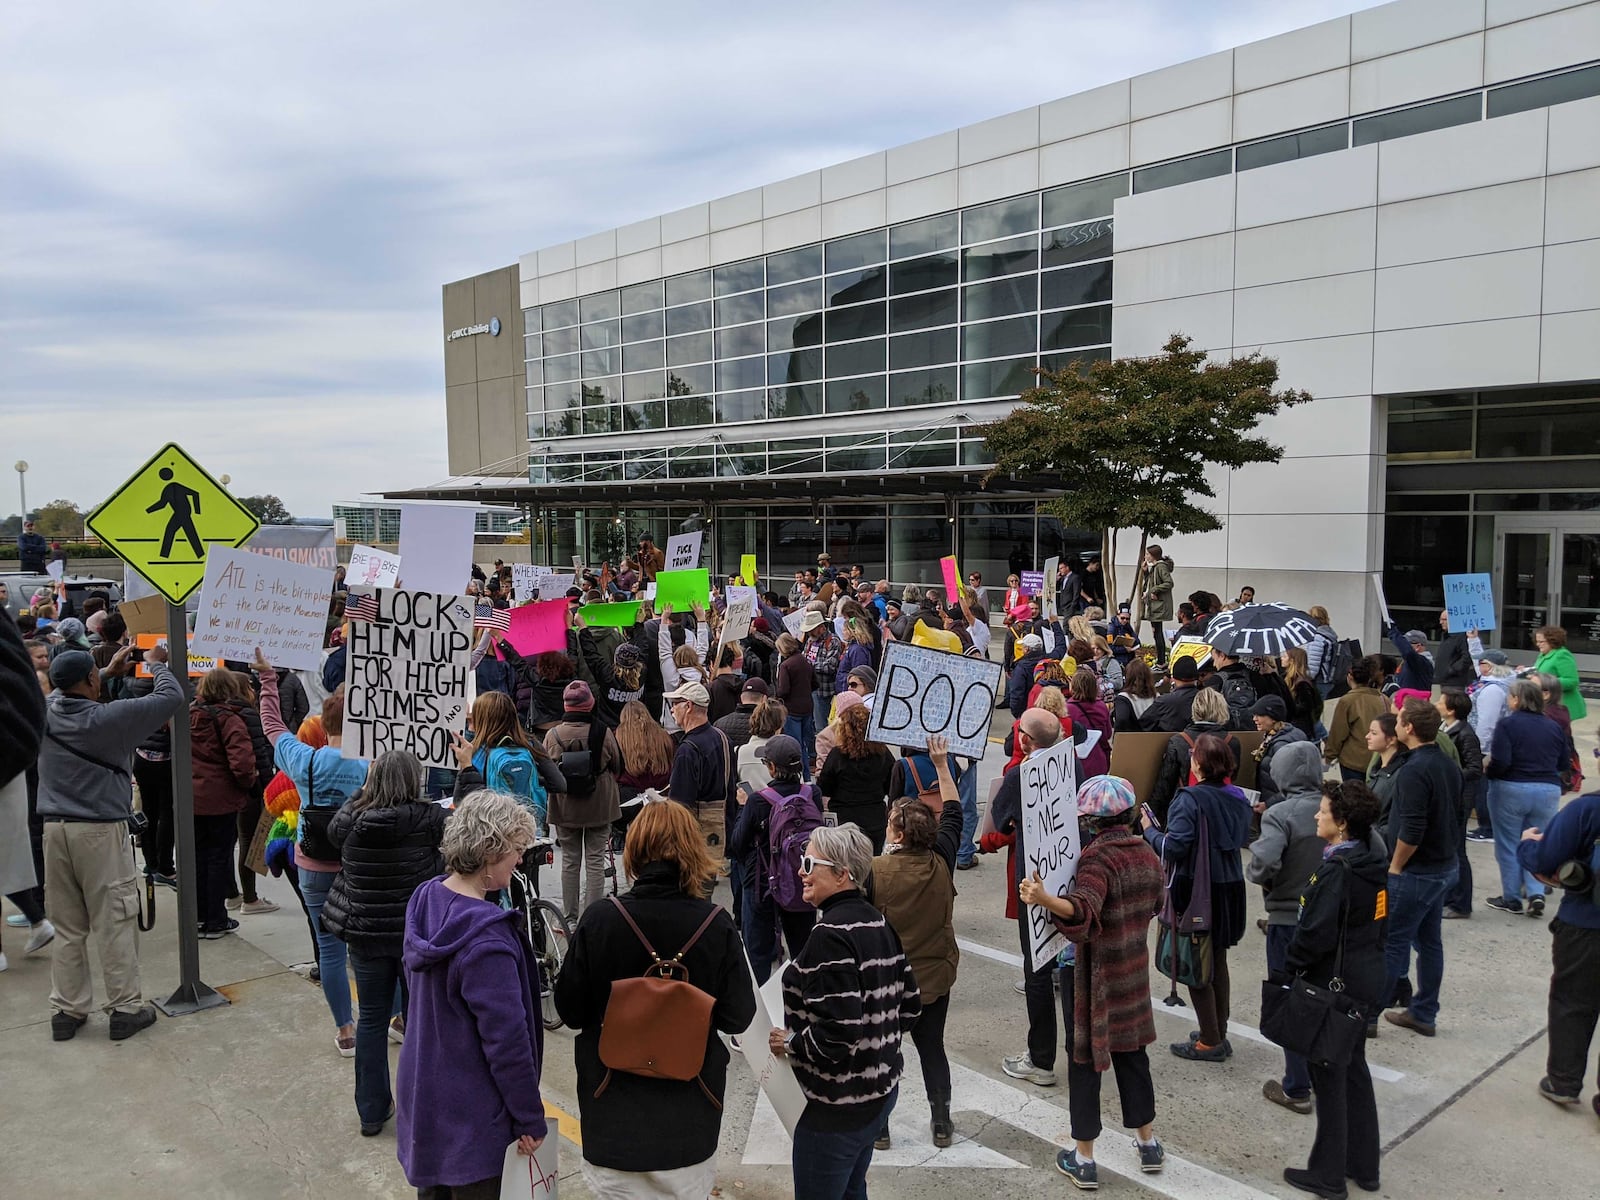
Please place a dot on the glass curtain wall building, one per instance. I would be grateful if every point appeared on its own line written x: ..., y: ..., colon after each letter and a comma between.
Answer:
x: 1398, y: 205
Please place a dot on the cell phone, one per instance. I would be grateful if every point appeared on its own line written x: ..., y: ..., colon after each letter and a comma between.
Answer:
x: 1150, y: 815
x: 136, y: 654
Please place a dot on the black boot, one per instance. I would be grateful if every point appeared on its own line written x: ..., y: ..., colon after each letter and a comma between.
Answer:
x: 943, y: 1130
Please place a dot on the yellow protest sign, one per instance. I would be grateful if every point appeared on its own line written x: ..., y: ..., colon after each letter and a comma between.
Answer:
x: 163, y: 519
x: 747, y: 570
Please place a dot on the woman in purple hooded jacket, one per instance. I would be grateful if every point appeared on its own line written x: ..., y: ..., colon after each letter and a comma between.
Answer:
x: 468, y: 1083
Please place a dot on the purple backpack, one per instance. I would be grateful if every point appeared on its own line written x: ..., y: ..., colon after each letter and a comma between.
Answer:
x: 789, y: 828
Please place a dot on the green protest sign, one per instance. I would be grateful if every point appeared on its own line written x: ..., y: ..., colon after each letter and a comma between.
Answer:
x: 682, y: 588
x: 620, y: 615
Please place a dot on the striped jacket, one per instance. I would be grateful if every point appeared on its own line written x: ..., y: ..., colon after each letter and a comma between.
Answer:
x: 847, y: 1000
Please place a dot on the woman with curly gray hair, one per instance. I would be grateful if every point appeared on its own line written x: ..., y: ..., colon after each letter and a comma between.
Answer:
x: 468, y: 1083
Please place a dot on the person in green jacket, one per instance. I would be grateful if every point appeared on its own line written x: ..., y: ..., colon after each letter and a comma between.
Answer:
x: 1555, y: 659
x: 1157, y: 600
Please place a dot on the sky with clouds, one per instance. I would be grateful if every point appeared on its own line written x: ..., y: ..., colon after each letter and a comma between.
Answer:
x: 228, y: 225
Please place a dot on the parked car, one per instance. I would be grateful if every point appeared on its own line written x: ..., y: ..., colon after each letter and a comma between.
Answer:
x: 21, y: 588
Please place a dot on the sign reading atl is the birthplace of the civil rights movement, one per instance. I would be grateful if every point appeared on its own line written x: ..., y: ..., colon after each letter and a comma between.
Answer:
x: 409, y: 676
x: 923, y: 691
x: 250, y: 602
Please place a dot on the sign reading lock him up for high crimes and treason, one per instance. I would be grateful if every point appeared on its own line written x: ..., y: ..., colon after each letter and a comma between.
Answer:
x: 162, y: 521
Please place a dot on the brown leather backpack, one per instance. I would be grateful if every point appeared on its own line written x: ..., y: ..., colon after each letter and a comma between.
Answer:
x: 657, y: 1025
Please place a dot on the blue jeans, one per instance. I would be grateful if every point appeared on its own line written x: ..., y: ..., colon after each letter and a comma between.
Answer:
x: 1519, y: 806
x: 967, y: 786
x: 821, y: 703
x: 380, y: 984
x: 832, y: 1164
x: 1416, y: 906
x: 314, y: 886
x: 1296, y: 1075
x: 804, y: 731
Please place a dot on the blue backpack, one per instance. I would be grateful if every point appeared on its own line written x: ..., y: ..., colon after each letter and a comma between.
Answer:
x: 511, y: 769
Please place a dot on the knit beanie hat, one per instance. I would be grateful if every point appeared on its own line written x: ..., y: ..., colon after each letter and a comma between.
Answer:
x: 627, y: 656
x: 1105, y: 796
x: 577, y: 697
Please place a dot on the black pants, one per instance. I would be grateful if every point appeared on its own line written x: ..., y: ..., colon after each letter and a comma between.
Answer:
x: 1135, y: 1088
x: 213, y: 867
x: 1574, y: 1003
x: 1347, y: 1123
x: 30, y: 901
x: 1040, y: 993
x: 1460, y: 896
x: 155, y: 794
x: 1211, y: 1004
x: 928, y: 1035
x: 293, y: 876
x: 249, y: 817
x: 1159, y: 636
x: 484, y: 1189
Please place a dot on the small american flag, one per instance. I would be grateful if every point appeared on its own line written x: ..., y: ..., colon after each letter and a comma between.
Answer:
x: 362, y: 608
x: 487, y: 616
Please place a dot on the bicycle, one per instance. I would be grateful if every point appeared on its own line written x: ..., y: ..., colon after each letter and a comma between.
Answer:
x: 542, y: 924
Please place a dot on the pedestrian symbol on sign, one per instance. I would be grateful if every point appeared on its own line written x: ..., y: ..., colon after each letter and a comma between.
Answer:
x: 185, y: 505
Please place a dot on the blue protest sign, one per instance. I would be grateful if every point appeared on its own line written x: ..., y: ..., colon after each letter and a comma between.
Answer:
x: 1469, y: 599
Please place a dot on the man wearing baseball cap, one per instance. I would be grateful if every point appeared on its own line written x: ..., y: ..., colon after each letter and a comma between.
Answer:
x: 1416, y: 664
x: 703, y: 769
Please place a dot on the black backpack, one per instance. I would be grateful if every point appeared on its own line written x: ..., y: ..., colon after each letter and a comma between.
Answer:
x: 581, y: 768
x: 1241, y: 696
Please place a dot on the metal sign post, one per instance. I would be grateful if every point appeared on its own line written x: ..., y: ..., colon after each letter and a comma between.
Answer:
x: 192, y: 995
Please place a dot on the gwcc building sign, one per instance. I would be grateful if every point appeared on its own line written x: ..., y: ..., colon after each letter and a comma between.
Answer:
x: 492, y: 328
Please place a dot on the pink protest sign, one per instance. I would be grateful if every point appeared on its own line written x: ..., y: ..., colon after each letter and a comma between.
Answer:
x: 952, y: 577
x: 538, y: 627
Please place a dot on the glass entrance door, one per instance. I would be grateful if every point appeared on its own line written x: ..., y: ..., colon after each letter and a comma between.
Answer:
x: 1547, y: 572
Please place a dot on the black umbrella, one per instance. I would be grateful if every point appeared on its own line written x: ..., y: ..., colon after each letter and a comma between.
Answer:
x: 1259, y: 630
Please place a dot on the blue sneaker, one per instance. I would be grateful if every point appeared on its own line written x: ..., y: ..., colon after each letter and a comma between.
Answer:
x: 1152, y: 1157
x: 1084, y: 1175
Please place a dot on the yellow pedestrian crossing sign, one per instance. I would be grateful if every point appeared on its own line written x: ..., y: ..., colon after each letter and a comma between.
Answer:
x: 162, y: 521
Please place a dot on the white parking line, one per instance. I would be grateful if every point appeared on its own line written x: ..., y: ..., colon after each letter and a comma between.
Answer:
x: 1235, y: 1028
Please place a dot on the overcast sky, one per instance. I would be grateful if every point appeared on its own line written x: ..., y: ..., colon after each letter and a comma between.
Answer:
x: 228, y: 225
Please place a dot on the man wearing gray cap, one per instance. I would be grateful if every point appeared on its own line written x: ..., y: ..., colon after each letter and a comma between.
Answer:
x: 85, y: 794
x: 1416, y: 664
x: 703, y: 774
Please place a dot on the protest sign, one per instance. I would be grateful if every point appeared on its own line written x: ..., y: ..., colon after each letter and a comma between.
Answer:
x: 774, y: 1075
x: 1383, y: 604
x: 538, y: 627
x: 952, y: 576
x: 747, y: 571
x: 620, y: 615
x: 1136, y: 757
x: 1187, y: 647
x: 408, y: 682
x: 1048, y: 593
x: 145, y: 616
x: 55, y: 568
x: 1050, y: 841
x: 737, y: 616
x: 923, y: 691
x: 792, y: 621
x: 1032, y: 583
x: 372, y: 568
x: 1469, y: 599
x: 198, y: 664
x: 553, y: 586
x: 249, y: 601
x: 683, y: 551
x: 525, y: 580
x: 683, y: 588
x: 532, y: 1176
x: 308, y: 545
x: 436, y: 547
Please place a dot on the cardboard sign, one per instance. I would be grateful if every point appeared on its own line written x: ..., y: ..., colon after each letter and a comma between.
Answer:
x: 923, y: 691
x: 736, y: 618
x: 554, y: 587
x: 148, y: 615
x: 683, y: 551
x: 532, y: 1177
x: 1469, y: 599
x: 198, y: 666
x: 952, y: 576
x: 617, y: 616
x: 747, y: 571
x: 409, y: 680
x: 372, y: 568
x: 1050, y: 840
x: 249, y: 601
x: 436, y: 547
x: 538, y: 627
x: 1048, y: 596
x: 1136, y: 757
x: 1032, y: 583
x: 774, y: 1075
x: 792, y: 621
x: 683, y: 588
x: 525, y: 580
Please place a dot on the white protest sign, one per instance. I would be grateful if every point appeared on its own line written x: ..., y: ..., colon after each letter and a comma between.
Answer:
x: 735, y: 591
x: 1050, y: 842
x: 1383, y: 604
x: 922, y: 691
x: 577, y: 564
x: 736, y: 618
x: 683, y: 551
x: 531, y: 1176
x: 792, y: 621
x: 1048, y: 598
x: 525, y: 580
x: 55, y: 568
x: 553, y: 586
x: 436, y: 547
x: 372, y: 568
x: 249, y: 600
x: 774, y: 1075
x: 408, y: 681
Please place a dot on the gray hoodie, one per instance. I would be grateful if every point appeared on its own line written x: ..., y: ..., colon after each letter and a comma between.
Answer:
x: 1288, y: 852
x: 76, y: 789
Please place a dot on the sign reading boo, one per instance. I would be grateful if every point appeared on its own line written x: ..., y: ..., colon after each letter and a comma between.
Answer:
x: 923, y: 691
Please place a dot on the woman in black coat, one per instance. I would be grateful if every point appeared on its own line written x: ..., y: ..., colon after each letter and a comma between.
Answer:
x: 855, y: 778
x: 1210, y: 715
x: 635, y: 1124
x: 1346, y: 901
x: 388, y: 842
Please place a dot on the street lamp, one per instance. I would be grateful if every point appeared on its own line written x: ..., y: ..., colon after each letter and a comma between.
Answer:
x: 225, y: 480
x: 22, y: 483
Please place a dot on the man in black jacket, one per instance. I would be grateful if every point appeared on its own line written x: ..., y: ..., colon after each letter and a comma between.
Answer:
x: 1453, y: 666
x: 1173, y: 712
x: 1454, y: 707
x: 1424, y: 819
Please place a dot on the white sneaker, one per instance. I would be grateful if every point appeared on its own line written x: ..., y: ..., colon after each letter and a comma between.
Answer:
x: 43, y: 934
x: 1021, y: 1067
x: 233, y: 903
x: 3, y: 963
x: 17, y: 921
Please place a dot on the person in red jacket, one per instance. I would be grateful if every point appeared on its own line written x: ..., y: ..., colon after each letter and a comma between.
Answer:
x: 224, y: 776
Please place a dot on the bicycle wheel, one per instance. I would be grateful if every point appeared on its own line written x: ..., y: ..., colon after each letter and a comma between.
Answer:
x: 550, y: 936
